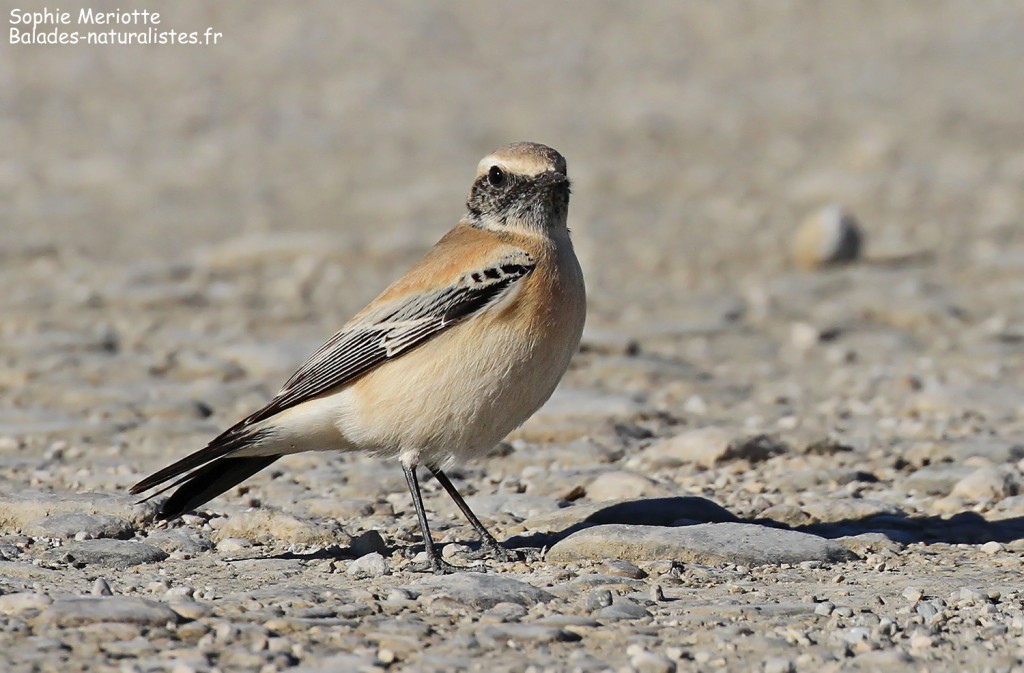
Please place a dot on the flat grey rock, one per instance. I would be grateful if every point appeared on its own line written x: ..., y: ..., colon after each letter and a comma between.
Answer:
x: 622, y: 610
x: 483, y: 591
x: 24, y: 507
x: 109, y: 553
x: 178, y: 540
x: 74, y: 612
x: 936, y: 479
x: 740, y: 543
x: 525, y: 633
x: 68, y: 524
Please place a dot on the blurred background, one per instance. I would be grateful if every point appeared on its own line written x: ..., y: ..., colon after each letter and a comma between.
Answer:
x: 264, y: 188
x: 697, y: 133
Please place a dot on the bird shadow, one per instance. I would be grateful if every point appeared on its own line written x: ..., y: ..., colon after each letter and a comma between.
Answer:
x: 963, y: 528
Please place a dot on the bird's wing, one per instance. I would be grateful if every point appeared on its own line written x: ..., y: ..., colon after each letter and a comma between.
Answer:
x: 378, y: 334
x: 396, y: 327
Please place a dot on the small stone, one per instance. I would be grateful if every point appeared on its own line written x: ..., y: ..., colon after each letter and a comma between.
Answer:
x: 824, y: 609
x: 746, y: 544
x: 651, y: 662
x: 804, y: 336
x: 271, y: 527
x: 75, y: 612
x: 16, y: 604
x: 778, y: 665
x: 703, y: 446
x: 828, y: 236
x: 178, y: 541
x: 190, y: 610
x: 370, y: 542
x: 623, y: 609
x: 709, y: 446
x: 936, y: 479
x: 17, y: 510
x: 921, y: 641
x: 985, y: 483
x: 101, y: 588
x: 622, y: 485
x: 69, y: 525
x: 370, y: 565
x: 505, y: 612
x: 479, y: 591
x: 598, y: 598
x: 233, y: 544
x: 913, y: 594
x: 534, y: 634
x: 118, y: 554
x: 992, y: 547
x: 622, y: 569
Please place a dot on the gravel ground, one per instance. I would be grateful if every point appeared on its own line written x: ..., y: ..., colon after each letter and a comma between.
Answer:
x: 758, y: 461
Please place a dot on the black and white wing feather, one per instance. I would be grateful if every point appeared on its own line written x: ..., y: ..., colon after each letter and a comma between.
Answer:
x: 394, y: 329
x: 364, y: 344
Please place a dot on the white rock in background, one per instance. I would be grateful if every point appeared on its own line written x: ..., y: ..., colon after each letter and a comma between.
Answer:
x: 830, y: 235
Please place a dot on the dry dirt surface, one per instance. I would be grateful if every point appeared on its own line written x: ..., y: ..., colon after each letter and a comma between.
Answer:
x: 756, y: 462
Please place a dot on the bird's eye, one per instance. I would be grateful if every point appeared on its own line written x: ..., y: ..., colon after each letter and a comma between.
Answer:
x: 496, y: 176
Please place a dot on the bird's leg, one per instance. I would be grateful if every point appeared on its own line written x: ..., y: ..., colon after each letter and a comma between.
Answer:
x: 492, y: 545
x: 437, y: 564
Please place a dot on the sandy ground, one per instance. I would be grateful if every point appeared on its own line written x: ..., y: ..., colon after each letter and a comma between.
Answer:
x: 180, y: 226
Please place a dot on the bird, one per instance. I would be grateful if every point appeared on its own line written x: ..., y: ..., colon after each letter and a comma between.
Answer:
x: 442, y: 365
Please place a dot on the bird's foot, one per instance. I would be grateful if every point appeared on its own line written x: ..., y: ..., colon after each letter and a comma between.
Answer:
x: 437, y: 566
x: 504, y: 555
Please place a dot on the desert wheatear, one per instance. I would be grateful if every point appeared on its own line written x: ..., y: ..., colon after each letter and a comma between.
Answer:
x: 442, y: 365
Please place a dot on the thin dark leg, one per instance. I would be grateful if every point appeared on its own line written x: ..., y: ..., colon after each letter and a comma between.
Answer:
x: 437, y: 564
x: 488, y: 540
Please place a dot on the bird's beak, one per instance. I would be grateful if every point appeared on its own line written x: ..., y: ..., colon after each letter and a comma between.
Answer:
x: 553, y: 179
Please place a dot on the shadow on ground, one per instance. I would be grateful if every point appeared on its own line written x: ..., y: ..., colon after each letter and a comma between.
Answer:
x: 962, y: 528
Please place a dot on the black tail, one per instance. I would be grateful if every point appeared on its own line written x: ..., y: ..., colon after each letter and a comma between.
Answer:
x: 208, y: 472
x: 209, y: 481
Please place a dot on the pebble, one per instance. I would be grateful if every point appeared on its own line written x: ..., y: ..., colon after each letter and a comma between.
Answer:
x: 70, y: 524
x: 18, y: 509
x: 992, y: 547
x: 830, y: 235
x: 18, y: 603
x: 746, y: 544
x: 273, y: 527
x: 936, y: 479
x: 233, y: 544
x: 570, y: 414
x: 650, y: 662
x: 475, y: 590
x: 598, y: 598
x: 101, y: 588
x: 622, y: 609
x: 534, y: 634
x: 778, y: 665
x: 178, y: 541
x: 622, y: 485
x: 912, y: 594
x: 370, y: 542
x: 370, y: 565
x: 76, y: 612
x: 985, y: 483
x: 710, y: 446
x: 118, y: 554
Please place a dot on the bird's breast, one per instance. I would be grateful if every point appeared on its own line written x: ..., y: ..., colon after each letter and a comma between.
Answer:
x: 460, y: 393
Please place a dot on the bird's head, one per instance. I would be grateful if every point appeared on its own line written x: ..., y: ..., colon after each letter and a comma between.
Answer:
x: 520, y: 186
